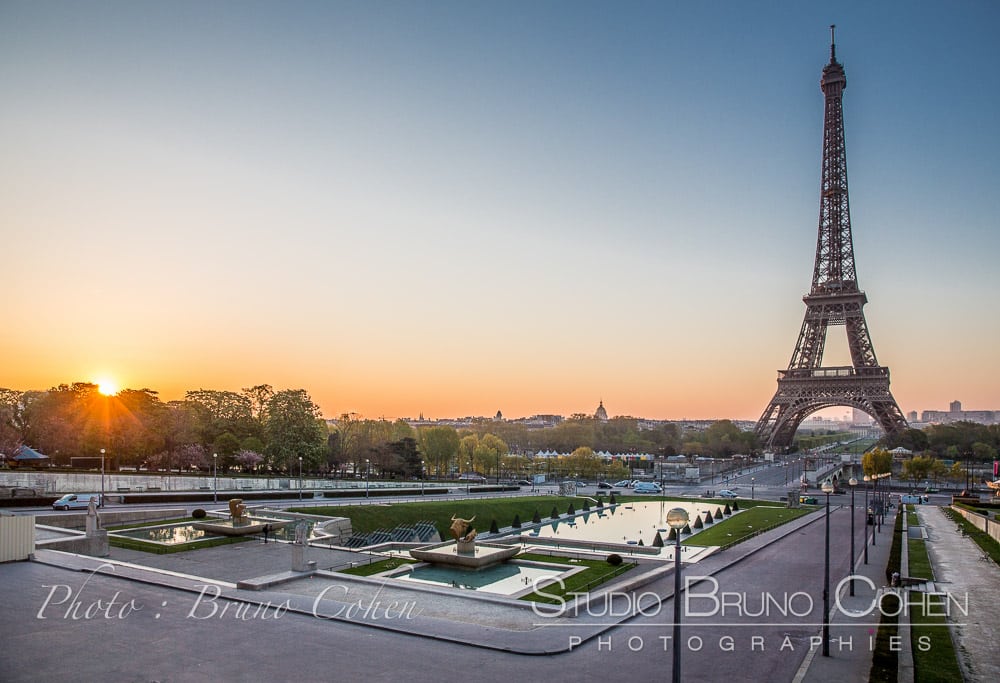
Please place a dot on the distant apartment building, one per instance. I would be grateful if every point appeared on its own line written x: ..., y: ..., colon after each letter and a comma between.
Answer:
x: 956, y: 414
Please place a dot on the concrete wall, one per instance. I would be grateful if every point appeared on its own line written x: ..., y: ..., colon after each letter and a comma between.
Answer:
x: 990, y: 526
x: 90, y: 482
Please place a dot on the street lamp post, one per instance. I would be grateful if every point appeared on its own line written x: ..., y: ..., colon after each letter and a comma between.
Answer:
x: 827, y: 489
x: 867, y: 512
x: 102, y: 477
x: 367, y: 471
x: 853, y: 483
x: 215, y: 477
x: 677, y: 519
x: 752, y: 480
x: 300, y: 477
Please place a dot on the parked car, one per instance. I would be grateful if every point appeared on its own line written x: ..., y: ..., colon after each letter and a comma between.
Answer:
x: 581, y: 484
x: 808, y: 500
x: 647, y: 487
x: 726, y: 493
x: 623, y: 484
x: 604, y: 485
x: 77, y: 501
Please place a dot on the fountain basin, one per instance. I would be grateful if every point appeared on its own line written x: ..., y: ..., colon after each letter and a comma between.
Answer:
x: 482, y: 555
x: 253, y: 525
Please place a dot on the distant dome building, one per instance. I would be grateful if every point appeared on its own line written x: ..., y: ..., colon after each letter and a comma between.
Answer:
x: 499, y: 417
x: 601, y: 414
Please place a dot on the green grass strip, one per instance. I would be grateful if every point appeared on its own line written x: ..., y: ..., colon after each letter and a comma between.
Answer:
x: 378, y: 567
x: 747, y: 523
x: 934, y: 656
x: 885, y: 658
x: 597, y: 572
x: 366, y: 518
x: 918, y: 560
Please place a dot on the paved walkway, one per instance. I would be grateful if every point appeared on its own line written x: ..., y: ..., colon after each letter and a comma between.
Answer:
x: 961, y: 571
x: 852, y: 638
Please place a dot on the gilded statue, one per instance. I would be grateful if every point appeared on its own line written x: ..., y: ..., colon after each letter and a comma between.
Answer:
x: 237, y: 509
x: 460, y: 529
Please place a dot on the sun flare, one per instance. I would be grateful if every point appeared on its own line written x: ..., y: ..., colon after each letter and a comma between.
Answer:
x: 107, y: 387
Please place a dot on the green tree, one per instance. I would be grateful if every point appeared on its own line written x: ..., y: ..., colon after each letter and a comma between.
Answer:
x: 876, y: 461
x: 294, y: 428
x: 440, y: 445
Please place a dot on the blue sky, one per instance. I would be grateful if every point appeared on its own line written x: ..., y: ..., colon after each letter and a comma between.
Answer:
x: 454, y: 208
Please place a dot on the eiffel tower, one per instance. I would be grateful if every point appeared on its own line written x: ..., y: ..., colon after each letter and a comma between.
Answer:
x: 834, y: 299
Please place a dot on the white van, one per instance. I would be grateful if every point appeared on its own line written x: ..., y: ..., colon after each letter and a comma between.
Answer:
x: 77, y: 501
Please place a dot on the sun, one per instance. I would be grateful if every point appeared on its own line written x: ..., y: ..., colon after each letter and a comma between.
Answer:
x: 107, y: 387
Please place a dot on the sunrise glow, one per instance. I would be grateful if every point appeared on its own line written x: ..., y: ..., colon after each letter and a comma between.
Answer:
x: 107, y: 387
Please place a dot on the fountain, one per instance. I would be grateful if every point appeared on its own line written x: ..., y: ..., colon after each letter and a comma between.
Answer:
x: 239, y: 523
x: 464, y: 551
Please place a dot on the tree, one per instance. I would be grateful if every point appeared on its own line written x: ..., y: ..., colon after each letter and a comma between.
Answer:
x: 410, y: 464
x: 294, y: 429
x: 466, y: 453
x: 487, y: 453
x: 258, y: 396
x: 10, y: 434
x: 440, y: 445
x: 220, y: 412
x: 876, y: 461
x: 248, y: 460
x: 584, y: 463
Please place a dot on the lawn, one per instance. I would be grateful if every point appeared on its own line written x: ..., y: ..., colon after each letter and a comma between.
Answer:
x: 919, y: 562
x: 934, y: 656
x: 366, y: 518
x: 597, y: 573
x: 377, y: 567
x: 750, y: 521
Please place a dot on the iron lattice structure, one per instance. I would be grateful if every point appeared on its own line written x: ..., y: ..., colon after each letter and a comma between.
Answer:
x: 834, y: 299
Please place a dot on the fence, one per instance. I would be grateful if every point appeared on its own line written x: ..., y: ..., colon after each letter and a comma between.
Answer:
x: 17, y: 537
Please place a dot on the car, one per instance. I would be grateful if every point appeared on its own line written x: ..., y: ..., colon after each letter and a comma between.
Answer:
x: 648, y: 487
x: 604, y: 485
x: 523, y: 482
x: 581, y: 484
x: 808, y: 500
x: 77, y: 501
x: 623, y: 484
x: 726, y: 493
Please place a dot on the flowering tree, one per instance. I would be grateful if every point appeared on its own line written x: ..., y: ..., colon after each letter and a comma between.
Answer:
x: 248, y: 460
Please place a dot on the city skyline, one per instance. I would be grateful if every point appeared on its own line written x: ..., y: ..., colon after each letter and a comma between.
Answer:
x: 454, y: 209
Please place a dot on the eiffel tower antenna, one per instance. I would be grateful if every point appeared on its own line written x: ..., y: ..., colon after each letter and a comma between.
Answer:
x: 833, y: 299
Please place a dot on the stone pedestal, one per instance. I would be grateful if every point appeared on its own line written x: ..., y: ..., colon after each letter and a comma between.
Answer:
x: 96, y: 543
x: 466, y: 547
x: 299, y: 562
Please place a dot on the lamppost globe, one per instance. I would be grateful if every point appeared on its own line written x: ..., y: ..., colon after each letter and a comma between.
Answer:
x: 827, y: 487
x: 677, y: 518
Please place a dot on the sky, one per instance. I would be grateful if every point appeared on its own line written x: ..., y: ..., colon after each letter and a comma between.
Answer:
x: 454, y: 208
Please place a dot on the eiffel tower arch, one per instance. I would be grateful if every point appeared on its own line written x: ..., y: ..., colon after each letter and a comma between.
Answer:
x: 833, y: 300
